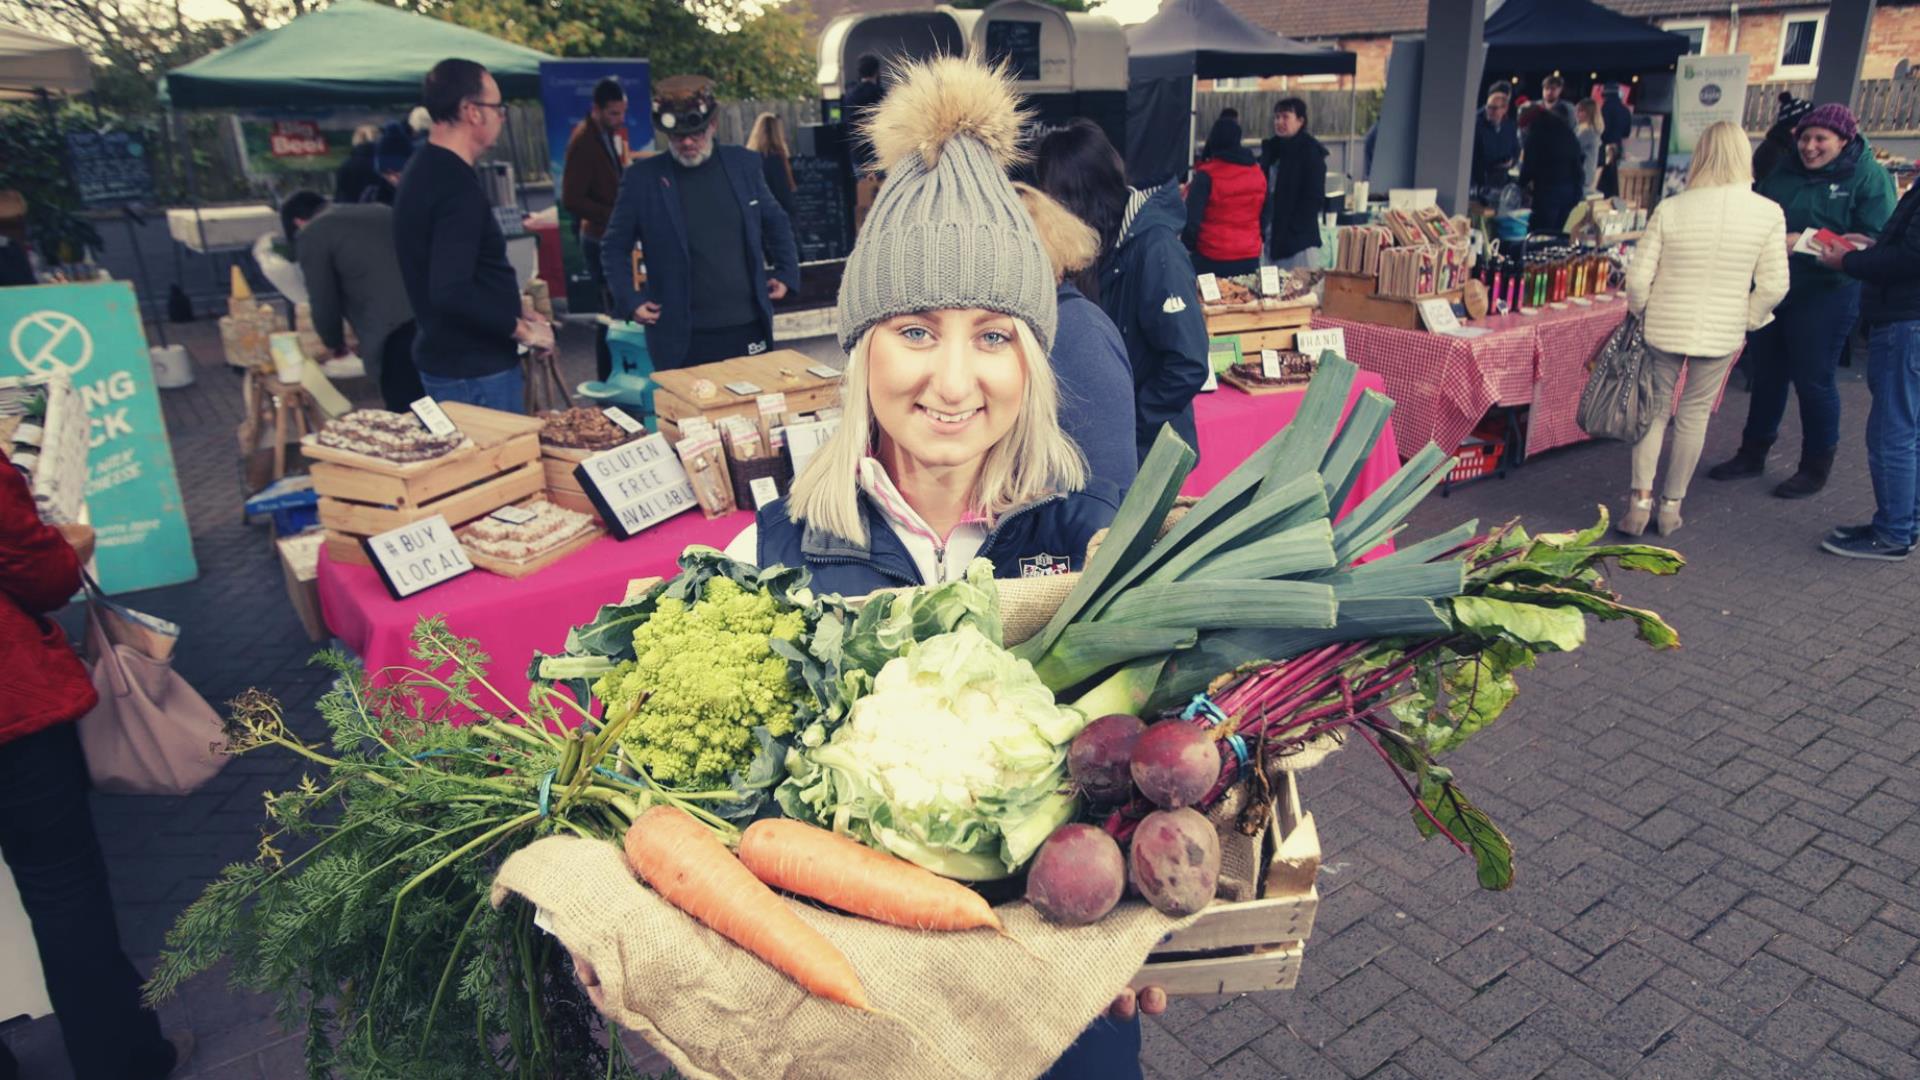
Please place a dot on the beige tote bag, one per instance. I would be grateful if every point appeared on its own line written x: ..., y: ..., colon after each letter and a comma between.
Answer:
x: 152, y: 733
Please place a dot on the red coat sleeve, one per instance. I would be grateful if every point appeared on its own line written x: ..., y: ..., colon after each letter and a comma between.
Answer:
x: 39, y: 570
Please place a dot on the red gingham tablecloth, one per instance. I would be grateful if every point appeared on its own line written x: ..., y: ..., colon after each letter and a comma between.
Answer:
x: 1444, y: 385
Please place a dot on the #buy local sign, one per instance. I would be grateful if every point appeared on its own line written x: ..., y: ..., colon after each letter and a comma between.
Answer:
x: 92, y: 334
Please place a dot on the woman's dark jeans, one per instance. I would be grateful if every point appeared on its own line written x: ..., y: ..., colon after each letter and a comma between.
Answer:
x: 1800, y: 349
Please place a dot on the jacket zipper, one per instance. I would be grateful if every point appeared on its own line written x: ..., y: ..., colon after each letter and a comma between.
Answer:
x: 843, y: 560
x: 987, y: 545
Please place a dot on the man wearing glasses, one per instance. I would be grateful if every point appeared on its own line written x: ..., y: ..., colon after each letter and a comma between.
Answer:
x: 466, y: 301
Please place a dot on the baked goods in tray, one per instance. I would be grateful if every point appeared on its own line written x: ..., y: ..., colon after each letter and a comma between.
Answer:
x: 1295, y: 367
x: 1242, y: 293
x: 582, y: 429
x: 549, y: 527
x: 387, y: 435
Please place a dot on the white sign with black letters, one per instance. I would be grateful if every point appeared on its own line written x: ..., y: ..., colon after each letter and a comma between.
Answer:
x: 623, y: 421
x: 804, y: 440
x: 1210, y: 288
x: 417, y: 556
x: 1315, y: 342
x: 637, y: 486
x: 1269, y: 281
x: 433, y: 416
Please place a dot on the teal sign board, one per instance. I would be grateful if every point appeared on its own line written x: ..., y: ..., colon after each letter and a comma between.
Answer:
x: 92, y: 334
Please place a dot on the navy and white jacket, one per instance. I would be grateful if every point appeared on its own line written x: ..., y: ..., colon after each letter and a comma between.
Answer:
x: 1047, y: 536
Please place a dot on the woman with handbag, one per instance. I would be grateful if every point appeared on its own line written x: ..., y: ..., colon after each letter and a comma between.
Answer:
x: 46, y: 828
x: 1711, y: 267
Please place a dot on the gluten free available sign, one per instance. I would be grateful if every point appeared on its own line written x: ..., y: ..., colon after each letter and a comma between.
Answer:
x: 637, y: 485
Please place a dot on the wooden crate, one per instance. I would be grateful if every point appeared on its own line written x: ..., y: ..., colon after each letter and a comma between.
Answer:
x: 563, y: 487
x: 1253, y: 945
x: 361, y: 496
x: 782, y: 370
x: 1351, y: 296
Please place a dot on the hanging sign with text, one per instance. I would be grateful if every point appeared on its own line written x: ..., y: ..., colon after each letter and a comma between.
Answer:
x: 636, y: 486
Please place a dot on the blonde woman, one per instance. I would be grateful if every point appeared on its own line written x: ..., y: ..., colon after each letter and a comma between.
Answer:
x: 1586, y: 128
x: 1712, y: 266
x: 769, y: 140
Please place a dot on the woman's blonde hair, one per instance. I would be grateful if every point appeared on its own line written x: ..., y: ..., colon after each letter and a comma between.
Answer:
x: 1586, y: 112
x: 1035, y: 458
x: 1721, y: 156
x: 769, y: 138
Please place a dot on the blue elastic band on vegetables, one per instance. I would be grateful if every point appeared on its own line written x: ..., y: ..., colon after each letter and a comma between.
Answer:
x: 1202, y: 705
x: 546, y: 790
x: 602, y: 770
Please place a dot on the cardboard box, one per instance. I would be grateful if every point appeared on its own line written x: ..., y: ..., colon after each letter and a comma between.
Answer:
x: 300, y: 563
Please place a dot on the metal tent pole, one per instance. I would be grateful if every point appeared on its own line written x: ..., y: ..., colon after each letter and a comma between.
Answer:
x: 1193, y: 118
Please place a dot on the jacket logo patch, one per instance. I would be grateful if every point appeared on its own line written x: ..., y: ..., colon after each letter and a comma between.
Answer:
x: 756, y: 348
x: 1174, y: 305
x: 1045, y: 566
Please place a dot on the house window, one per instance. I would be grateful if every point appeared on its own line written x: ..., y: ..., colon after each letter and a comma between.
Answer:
x: 1800, y: 45
x: 1695, y: 31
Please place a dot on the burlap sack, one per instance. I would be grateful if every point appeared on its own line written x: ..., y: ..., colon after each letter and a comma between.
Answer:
x: 969, y: 1005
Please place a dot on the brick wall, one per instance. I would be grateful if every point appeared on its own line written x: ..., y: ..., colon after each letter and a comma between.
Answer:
x: 1895, y: 37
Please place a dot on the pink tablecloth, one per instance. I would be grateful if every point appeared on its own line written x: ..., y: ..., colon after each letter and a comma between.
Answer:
x: 513, y: 618
x: 1444, y: 385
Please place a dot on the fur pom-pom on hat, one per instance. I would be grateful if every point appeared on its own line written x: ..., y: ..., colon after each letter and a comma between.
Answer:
x: 930, y: 102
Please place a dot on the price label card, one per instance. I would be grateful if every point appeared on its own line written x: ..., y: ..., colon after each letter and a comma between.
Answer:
x: 772, y: 404
x: 513, y: 515
x: 823, y: 371
x: 1270, y: 363
x: 623, y: 420
x: 1210, y: 288
x: 692, y: 427
x: 636, y: 486
x: 1269, y: 281
x: 805, y: 440
x: 743, y: 388
x: 1315, y: 342
x: 764, y: 491
x: 433, y: 417
x: 1438, y: 315
x: 417, y: 556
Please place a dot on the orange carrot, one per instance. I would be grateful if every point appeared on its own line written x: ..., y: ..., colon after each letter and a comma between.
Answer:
x: 692, y: 870
x: 845, y: 873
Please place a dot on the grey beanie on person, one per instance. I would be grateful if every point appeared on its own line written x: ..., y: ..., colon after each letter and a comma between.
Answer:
x: 947, y: 229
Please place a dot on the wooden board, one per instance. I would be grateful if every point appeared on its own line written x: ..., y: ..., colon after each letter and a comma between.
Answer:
x: 1351, y: 296
x: 559, y: 474
x: 518, y: 569
x: 458, y: 508
x: 1251, y: 945
x: 1258, y: 389
x: 782, y: 370
x: 448, y: 475
x: 573, y: 500
x: 1253, y: 341
x: 1235, y: 322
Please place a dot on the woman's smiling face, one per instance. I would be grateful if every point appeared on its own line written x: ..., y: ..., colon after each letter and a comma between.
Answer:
x: 945, y: 386
x: 1818, y: 146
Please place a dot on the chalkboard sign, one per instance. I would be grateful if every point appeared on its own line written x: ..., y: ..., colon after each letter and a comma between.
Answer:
x: 1018, y: 43
x: 819, y: 209
x: 110, y: 168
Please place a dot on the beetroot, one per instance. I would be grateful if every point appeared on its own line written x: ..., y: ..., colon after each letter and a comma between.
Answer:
x: 1077, y: 876
x: 1175, y: 861
x: 1175, y: 764
x: 1101, y: 755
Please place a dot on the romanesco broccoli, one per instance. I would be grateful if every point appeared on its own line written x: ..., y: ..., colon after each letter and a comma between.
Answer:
x: 712, y: 677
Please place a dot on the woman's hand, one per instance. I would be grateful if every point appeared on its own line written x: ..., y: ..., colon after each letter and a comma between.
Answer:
x: 1151, y: 1000
x: 590, y: 981
x: 1793, y: 241
x: 1832, y: 256
x: 1860, y: 241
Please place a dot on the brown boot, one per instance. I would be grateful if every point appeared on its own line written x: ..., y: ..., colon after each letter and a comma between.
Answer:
x: 1815, y: 467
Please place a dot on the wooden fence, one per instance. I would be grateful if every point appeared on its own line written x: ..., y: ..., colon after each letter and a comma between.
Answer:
x: 1883, y: 106
x: 1328, y: 111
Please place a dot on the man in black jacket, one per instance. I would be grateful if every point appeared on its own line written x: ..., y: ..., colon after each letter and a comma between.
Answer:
x: 1296, y: 167
x: 1889, y: 267
x: 453, y: 257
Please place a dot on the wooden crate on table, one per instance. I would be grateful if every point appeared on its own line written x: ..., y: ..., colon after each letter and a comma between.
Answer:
x: 563, y: 487
x: 1352, y: 297
x: 1250, y: 945
x: 1267, y: 328
x: 361, y: 496
x: 780, y: 371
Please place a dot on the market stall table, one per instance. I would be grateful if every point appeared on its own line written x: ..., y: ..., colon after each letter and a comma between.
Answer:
x: 1445, y: 385
x: 514, y: 618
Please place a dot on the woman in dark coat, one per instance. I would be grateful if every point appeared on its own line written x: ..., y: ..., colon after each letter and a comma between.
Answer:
x: 1550, y: 171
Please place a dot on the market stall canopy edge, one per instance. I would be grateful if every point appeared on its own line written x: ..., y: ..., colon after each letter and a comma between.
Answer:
x: 1569, y: 35
x: 351, y: 53
x: 31, y: 62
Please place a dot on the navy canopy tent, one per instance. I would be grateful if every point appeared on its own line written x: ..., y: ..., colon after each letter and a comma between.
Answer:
x: 1199, y: 39
x: 1554, y: 35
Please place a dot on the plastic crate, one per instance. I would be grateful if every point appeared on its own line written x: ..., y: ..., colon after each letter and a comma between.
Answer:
x: 1477, y: 457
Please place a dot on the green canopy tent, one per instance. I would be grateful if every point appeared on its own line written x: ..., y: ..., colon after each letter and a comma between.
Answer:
x: 351, y: 53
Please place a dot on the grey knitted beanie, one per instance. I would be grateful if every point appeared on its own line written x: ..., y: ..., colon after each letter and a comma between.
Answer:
x: 947, y: 229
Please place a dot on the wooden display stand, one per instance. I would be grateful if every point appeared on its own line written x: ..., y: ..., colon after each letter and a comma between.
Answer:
x: 1351, y: 297
x: 780, y: 371
x: 1272, y: 328
x: 563, y: 487
x: 361, y: 496
x: 283, y: 410
x: 1253, y: 945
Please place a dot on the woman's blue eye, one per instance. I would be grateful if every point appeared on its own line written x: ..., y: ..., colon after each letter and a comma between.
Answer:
x: 914, y: 333
x: 996, y: 338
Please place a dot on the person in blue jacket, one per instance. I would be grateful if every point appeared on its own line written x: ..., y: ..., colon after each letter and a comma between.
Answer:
x: 707, y: 226
x: 1144, y: 280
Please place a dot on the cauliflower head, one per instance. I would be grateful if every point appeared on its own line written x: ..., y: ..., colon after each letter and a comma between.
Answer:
x: 709, y: 676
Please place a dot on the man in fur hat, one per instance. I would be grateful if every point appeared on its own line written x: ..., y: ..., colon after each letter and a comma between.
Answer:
x: 707, y: 226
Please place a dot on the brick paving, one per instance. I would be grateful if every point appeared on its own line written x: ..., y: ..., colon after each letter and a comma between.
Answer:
x: 1717, y: 847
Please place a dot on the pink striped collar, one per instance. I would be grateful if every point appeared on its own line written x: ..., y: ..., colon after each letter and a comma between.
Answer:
x: 880, y: 487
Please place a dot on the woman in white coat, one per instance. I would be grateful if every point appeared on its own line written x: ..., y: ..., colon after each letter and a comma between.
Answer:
x: 1711, y: 267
